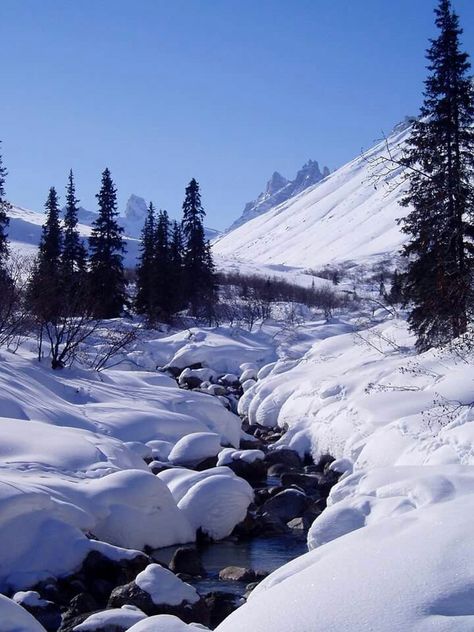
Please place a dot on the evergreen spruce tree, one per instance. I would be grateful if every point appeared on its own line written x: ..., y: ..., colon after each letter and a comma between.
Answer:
x: 440, y: 158
x: 176, y: 269
x: 198, y: 269
x: 107, y: 279
x: 144, y: 299
x: 74, y: 255
x: 46, y: 287
x: 162, y: 267
x: 4, y: 211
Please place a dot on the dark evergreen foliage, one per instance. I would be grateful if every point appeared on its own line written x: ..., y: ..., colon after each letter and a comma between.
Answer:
x: 46, y: 287
x: 440, y: 158
x: 107, y: 279
x: 176, y: 298
x: 74, y: 256
x: 198, y: 269
x: 4, y: 211
x: 144, y: 298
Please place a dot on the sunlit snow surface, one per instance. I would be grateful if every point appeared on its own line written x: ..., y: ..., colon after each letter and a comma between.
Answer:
x: 344, y: 218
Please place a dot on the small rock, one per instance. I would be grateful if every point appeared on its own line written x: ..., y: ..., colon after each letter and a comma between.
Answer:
x: 240, y: 574
x: 221, y: 604
x: 285, y: 456
x: 186, y: 560
x: 286, y: 505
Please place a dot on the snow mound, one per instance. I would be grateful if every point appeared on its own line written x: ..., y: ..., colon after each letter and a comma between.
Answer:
x: 214, y: 501
x: 165, y: 623
x: 125, y: 617
x: 194, y: 448
x: 227, y: 455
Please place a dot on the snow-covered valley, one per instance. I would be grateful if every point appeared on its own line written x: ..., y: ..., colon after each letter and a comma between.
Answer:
x: 80, y: 451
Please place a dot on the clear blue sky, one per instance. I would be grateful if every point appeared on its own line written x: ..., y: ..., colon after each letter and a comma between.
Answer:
x: 226, y: 91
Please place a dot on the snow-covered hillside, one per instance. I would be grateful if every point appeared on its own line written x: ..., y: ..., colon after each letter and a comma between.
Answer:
x: 342, y: 218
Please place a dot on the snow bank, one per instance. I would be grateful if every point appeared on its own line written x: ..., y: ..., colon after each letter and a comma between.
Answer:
x: 409, y: 568
x: 220, y: 349
x: 14, y: 618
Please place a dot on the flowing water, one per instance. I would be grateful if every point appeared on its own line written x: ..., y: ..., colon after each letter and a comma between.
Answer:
x: 260, y: 554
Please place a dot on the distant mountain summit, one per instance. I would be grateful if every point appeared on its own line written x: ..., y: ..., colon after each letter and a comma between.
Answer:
x: 279, y: 190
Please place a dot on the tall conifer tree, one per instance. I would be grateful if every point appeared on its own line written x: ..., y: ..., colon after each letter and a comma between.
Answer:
x: 176, y: 269
x: 440, y: 158
x: 74, y: 254
x: 4, y: 220
x: 107, y: 279
x: 198, y: 273
x: 144, y: 299
x: 46, y: 286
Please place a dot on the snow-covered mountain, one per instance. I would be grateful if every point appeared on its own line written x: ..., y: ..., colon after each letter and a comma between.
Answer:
x: 24, y: 230
x: 345, y: 217
x: 279, y: 189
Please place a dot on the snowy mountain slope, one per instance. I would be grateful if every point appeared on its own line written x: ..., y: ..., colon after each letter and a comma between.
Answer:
x: 279, y: 190
x: 24, y: 232
x: 342, y: 218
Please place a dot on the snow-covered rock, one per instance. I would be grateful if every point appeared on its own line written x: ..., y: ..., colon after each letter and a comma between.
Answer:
x: 214, y: 501
x: 166, y: 623
x: 164, y: 587
x: 120, y: 618
x: 194, y: 448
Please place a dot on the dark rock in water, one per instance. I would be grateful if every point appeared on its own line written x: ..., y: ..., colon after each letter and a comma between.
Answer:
x: 286, y: 505
x: 277, y: 469
x: 133, y: 595
x: 251, y: 472
x: 187, y: 560
x: 285, y: 456
x: 221, y: 604
x: 240, y: 574
x: 309, y: 482
x: 98, y: 566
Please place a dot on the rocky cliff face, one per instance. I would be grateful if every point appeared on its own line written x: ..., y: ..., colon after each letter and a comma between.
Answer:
x: 279, y: 190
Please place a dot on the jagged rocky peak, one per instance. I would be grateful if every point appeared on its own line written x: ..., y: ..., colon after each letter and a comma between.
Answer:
x: 308, y: 175
x: 276, y: 182
x: 136, y: 209
x: 279, y: 189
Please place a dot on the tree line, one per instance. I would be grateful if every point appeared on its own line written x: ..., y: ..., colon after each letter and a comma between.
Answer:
x: 71, y: 287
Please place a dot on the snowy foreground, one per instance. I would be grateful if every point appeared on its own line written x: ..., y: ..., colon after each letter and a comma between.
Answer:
x: 392, y: 552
